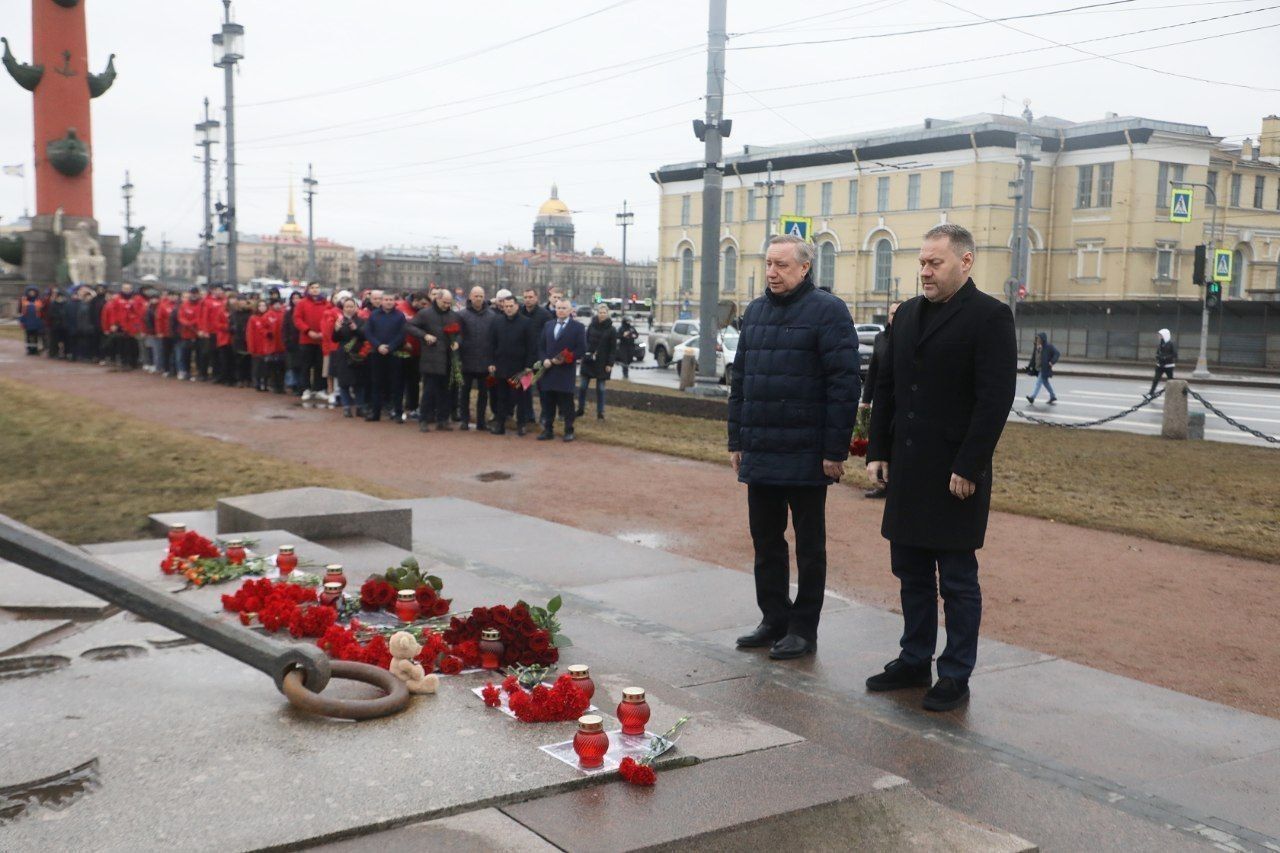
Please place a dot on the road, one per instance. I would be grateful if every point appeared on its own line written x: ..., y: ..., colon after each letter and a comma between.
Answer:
x: 1087, y: 398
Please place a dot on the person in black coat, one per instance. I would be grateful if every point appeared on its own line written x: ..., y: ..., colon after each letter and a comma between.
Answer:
x: 539, y: 316
x: 1043, y: 357
x: 1166, y: 358
x: 941, y: 400
x: 349, y: 363
x: 561, y: 346
x: 514, y: 346
x: 879, y: 347
x: 597, y: 363
x: 792, y: 402
x: 627, y: 338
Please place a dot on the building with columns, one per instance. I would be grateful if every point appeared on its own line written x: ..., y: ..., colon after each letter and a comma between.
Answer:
x: 1099, y: 222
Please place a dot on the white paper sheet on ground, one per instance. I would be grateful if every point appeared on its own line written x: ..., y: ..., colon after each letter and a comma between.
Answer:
x: 620, y: 746
x: 505, y: 707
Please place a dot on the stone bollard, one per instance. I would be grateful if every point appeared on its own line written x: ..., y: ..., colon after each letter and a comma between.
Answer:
x: 688, y: 371
x: 1175, y: 409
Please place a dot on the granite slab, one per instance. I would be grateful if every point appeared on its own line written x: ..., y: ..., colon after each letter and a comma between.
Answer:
x: 482, y: 831
x: 18, y: 633
x: 203, y: 521
x: 25, y: 591
x: 1243, y: 792
x: 316, y: 512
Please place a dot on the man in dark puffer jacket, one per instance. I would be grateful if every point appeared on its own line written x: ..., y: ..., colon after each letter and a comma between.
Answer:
x: 792, y: 406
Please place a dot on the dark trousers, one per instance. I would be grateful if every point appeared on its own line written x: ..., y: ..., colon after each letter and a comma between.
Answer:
x: 33, y: 341
x: 312, y: 368
x: 82, y: 346
x: 412, y: 383
x: 582, y: 394
x: 436, y: 395
x: 562, y: 400
x: 481, y: 383
x: 922, y: 573
x: 167, y: 359
x: 385, y: 385
x: 506, y: 402
x: 224, y: 370
x: 126, y: 349
x: 204, y: 357
x: 767, y: 512
x: 1155, y: 380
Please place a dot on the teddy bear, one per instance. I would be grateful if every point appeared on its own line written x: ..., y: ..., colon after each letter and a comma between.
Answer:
x: 404, y: 650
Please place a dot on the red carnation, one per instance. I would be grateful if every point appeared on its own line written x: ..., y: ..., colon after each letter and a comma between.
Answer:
x: 491, y: 696
x: 452, y: 329
x: 451, y: 665
x: 636, y: 773
x: 511, y: 684
x: 566, y: 356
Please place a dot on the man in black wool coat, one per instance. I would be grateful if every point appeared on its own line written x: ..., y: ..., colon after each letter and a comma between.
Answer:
x: 941, y: 400
x: 792, y: 404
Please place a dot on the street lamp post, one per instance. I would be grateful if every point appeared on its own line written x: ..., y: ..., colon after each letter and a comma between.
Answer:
x: 231, y: 42
x: 126, y: 189
x: 625, y: 220
x: 310, y: 183
x: 1202, y: 360
x: 206, y: 137
x: 1028, y: 148
x: 773, y: 190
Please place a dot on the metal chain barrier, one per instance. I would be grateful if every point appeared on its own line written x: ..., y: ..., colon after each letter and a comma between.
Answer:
x: 1129, y: 411
x: 1235, y: 423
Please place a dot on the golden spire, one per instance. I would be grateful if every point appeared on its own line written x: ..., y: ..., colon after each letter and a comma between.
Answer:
x: 291, y: 228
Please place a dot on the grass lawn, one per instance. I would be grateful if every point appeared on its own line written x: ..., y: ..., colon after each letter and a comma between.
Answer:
x: 83, y: 473
x: 1211, y: 495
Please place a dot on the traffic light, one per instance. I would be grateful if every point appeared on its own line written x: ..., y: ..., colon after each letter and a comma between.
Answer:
x: 1213, y: 294
x: 1197, y: 274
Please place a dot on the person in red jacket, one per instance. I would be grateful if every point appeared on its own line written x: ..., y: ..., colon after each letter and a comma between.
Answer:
x: 308, y: 316
x: 215, y: 335
x: 122, y: 320
x: 278, y: 351
x: 412, y: 377
x: 187, y: 317
x: 327, y: 344
x: 164, y: 328
x: 257, y: 338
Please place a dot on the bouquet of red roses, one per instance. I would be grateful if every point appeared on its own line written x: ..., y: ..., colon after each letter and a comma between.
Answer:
x: 451, y: 332
x: 861, y: 428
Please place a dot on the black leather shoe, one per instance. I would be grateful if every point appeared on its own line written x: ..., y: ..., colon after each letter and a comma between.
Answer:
x: 1053, y: 401
x: 792, y: 646
x: 423, y: 426
x: 764, y: 635
x: 568, y: 436
x: 899, y: 674
x: 520, y: 431
x: 444, y: 426
x: 372, y: 418
x: 546, y: 435
x: 947, y: 694
x: 497, y: 430
x: 877, y: 492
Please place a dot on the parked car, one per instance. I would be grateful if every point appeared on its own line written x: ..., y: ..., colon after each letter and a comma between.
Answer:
x: 726, y: 351
x: 867, y: 332
x: 663, y: 341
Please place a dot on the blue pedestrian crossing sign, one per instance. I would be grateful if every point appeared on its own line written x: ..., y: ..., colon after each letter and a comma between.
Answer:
x: 797, y: 226
x: 1222, y: 265
x: 1180, y: 205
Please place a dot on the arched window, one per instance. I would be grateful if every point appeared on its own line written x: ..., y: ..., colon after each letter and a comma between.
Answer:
x: 686, y: 269
x: 729, y: 270
x: 827, y: 265
x: 1237, y: 274
x: 884, y: 265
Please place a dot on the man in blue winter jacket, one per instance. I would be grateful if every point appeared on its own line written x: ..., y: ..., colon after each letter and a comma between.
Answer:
x: 792, y: 405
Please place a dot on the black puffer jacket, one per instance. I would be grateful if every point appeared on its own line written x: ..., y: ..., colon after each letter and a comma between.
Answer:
x: 477, y: 344
x: 602, y: 340
x: 795, y: 387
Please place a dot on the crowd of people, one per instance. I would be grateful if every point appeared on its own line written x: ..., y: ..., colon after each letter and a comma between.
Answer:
x: 411, y: 356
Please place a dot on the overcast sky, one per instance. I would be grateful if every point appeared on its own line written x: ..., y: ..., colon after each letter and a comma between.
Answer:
x: 445, y: 123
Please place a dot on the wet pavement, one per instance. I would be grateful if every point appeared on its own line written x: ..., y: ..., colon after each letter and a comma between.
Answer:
x: 199, y: 751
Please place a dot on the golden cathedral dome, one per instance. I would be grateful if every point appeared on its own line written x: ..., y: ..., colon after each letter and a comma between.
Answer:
x: 554, y: 206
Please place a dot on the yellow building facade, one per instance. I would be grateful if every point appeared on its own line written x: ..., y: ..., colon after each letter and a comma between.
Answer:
x: 1099, y: 224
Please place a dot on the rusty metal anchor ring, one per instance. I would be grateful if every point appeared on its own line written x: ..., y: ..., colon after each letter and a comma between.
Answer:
x: 301, y: 697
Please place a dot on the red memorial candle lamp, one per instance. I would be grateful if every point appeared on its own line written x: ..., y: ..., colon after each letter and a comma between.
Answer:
x: 176, y: 532
x: 286, y: 560
x: 590, y: 742
x: 407, y: 608
x: 333, y: 574
x: 332, y: 594
x: 633, y: 711
x: 235, y: 552
x: 581, y: 676
x: 491, y: 648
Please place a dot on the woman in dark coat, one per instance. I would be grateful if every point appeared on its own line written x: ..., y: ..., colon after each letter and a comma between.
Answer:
x: 627, y: 338
x: 348, y: 363
x: 597, y: 364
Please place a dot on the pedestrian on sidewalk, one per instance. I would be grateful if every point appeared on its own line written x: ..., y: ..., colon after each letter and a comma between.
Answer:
x: 792, y: 404
x: 1043, y: 357
x: 941, y: 400
x: 30, y: 307
x: 562, y: 335
x: 878, y: 348
x: 1166, y: 359
x: 627, y: 339
x: 597, y: 363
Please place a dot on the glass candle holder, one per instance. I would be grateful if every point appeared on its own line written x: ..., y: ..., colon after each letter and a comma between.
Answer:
x: 491, y: 648
x: 581, y: 676
x: 590, y: 742
x: 331, y: 594
x: 286, y: 560
x: 633, y: 711
x: 407, y: 608
x: 235, y: 552
x: 176, y: 532
x: 333, y: 574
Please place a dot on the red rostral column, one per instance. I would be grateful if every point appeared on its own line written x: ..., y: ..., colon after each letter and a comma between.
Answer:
x: 60, y: 43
